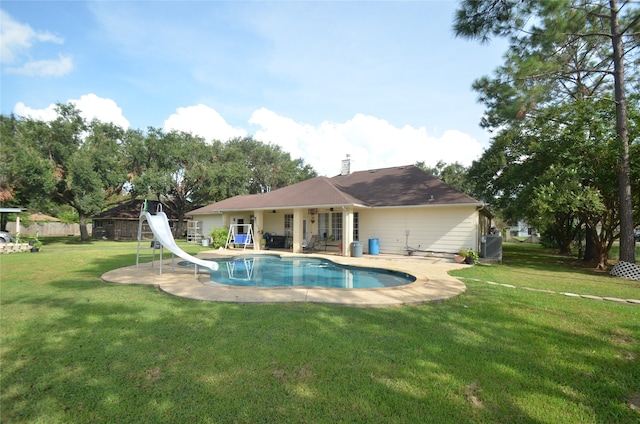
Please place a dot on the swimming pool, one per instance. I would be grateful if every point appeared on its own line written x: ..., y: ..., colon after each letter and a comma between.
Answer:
x: 281, y: 271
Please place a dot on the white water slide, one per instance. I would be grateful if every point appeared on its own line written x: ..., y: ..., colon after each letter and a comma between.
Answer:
x: 159, y: 225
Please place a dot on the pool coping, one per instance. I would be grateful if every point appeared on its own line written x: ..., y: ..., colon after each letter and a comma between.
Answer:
x: 433, y: 283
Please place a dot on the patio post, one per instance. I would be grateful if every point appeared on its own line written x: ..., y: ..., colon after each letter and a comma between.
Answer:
x: 297, y: 230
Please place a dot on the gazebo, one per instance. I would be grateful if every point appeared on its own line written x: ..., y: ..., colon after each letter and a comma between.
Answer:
x: 3, y: 218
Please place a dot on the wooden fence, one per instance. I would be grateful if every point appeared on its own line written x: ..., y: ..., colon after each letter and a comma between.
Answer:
x: 47, y: 229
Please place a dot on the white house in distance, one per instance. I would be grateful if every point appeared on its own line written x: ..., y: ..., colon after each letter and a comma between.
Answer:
x: 400, y: 208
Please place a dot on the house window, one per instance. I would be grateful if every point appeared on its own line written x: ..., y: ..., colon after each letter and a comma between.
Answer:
x: 336, y: 225
x: 323, y: 225
x: 241, y: 229
x: 98, y: 223
x: 288, y: 224
x: 356, y: 227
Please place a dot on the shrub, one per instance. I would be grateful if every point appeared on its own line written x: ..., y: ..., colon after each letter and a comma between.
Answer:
x: 218, y: 237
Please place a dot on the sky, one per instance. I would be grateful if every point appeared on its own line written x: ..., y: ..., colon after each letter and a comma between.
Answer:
x: 385, y: 82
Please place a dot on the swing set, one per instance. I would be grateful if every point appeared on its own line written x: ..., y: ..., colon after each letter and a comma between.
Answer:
x: 240, y: 235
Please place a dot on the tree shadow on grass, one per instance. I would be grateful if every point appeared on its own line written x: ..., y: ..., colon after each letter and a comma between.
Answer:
x: 536, y: 257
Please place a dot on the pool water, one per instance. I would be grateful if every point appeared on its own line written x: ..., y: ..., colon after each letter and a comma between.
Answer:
x: 278, y: 271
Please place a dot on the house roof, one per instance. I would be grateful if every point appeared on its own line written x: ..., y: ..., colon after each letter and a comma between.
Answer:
x: 42, y: 217
x: 318, y: 191
x: 131, y: 210
x: 400, y: 186
x: 385, y: 187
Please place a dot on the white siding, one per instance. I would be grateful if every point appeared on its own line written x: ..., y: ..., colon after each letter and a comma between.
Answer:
x: 273, y: 222
x: 209, y: 222
x: 433, y: 229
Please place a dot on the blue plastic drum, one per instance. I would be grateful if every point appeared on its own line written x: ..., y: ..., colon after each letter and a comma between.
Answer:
x: 374, y: 246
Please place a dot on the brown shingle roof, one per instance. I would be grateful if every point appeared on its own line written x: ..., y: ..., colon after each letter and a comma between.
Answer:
x: 131, y: 210
x: 42, y: 217
x: 318, y: 191
x: 397, y: 186
x: 400, y: 186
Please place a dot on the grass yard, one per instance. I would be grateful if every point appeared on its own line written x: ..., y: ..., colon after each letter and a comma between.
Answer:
x: 77, y: 350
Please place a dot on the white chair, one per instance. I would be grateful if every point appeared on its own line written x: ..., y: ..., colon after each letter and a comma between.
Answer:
x: 311, y: 245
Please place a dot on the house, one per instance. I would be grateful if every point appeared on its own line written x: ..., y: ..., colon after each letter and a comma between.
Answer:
x: 520, y: 229
x: 121, y: 222
x: 402, y: 209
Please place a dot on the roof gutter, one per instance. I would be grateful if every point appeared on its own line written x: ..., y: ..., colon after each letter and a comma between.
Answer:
x: 280, y: 207
x: 478, y: 205
x: 432, y: 205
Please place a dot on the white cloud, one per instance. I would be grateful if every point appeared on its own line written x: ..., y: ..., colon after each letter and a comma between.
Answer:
x: 48, y: 37
x: 371, y: 142
x: 17, y: 39
x: 203, y: 121
x: 45, y: 68
x: 105, y: 110
x: 90, y: 106
x: 47, y: 114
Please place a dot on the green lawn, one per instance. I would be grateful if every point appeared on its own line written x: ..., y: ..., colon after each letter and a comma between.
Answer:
x: 75, y: 349
x: 530, y: 265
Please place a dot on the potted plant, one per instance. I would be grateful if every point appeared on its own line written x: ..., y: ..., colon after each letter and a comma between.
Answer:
x: 35, y: 244
x: 467, y: 256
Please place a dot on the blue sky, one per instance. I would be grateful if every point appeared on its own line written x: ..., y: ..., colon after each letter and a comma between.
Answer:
x: 386, y: 82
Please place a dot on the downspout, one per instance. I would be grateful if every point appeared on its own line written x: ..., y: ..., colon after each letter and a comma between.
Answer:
x: 480, y: 228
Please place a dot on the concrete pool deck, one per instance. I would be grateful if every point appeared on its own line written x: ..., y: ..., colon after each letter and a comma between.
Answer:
x: 432, y: 284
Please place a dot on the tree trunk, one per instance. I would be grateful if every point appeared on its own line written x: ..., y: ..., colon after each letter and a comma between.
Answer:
x: 565, y: 247
x: 179, y: 226
x: 602, y: 255
x: 565, y: 235
x: 627, y: 245
x: 590, y: 246
x: 602, y: 262
x: 84, y: 233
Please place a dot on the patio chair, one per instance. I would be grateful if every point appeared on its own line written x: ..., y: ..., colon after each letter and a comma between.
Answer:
x: 311, y: 245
